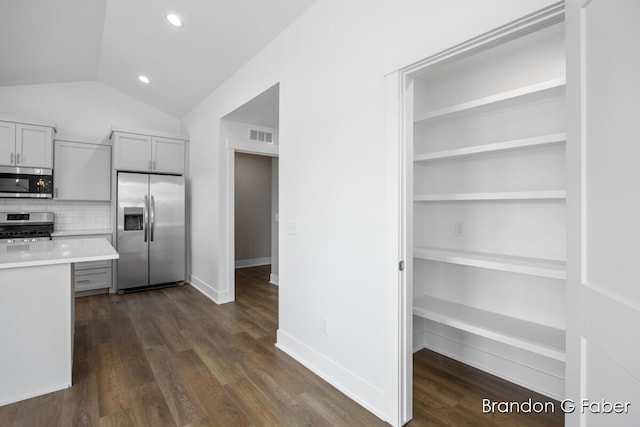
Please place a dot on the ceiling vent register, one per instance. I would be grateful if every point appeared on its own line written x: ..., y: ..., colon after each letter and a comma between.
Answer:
x: 260, y: 135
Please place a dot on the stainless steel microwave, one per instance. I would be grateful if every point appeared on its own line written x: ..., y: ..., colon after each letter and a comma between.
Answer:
x: 26, y: 182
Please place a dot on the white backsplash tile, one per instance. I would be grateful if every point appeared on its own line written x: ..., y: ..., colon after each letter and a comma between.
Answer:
x: 68, y: 216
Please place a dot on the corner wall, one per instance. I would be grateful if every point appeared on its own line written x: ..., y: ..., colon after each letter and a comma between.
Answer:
x: 83, y: 109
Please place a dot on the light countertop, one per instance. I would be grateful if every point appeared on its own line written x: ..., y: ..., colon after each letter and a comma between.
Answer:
x: 48, y: 252
x: 62, y: 233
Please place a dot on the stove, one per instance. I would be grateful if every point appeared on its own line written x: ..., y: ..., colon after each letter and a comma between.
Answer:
x: 25, y: 226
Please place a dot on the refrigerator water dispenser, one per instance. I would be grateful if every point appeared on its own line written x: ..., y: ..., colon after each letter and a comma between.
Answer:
x: 133, y: 219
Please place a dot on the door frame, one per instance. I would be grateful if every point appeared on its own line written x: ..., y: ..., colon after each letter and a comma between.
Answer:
x: 400, y: 93
x: 235, y: 145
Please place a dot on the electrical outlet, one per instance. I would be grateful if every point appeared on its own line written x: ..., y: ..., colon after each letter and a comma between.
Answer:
x: 323, y: 325
x: 458, y: 228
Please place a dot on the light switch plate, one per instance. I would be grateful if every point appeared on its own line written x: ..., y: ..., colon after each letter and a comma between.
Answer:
x: 292, y: 227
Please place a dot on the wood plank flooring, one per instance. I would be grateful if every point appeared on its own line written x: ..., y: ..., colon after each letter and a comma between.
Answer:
x: 171, y: 357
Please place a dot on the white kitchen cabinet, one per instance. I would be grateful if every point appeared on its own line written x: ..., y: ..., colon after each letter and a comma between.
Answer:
x: 132, y: 152
x: 82, y: 171
x: 7, y: 143
x: 167, y: 155
x: 148, y: 153
x: 91, y: 275
x: 26, y: 145
x: 486, y: 180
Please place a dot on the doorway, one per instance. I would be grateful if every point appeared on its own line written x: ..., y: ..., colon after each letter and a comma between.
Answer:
x: 478, y: 211
x: 251, y: 135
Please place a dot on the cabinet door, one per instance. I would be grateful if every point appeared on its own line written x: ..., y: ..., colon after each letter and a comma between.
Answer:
x: 82, y: 171
x: 34, y: 146
x: 132, y: 152
x: 7, y: 143
x: 168, y: 155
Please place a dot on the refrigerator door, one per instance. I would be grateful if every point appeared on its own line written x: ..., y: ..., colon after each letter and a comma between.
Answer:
x: 166, y: 229
x: 133, y: 232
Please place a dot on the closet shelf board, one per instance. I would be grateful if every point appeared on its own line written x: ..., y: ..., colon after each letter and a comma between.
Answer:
x: 538, y: 141
x: 498, y: 195
x: 513, y: 264
x: 543, y: 89
x: 540, y: 339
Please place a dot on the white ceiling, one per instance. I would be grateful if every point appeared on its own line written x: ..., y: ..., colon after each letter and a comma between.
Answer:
x: 51, y: 41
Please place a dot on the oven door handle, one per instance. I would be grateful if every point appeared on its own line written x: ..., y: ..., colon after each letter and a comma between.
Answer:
x: 146, y: 217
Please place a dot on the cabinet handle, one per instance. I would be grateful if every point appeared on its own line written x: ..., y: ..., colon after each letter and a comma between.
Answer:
x: 150, y: 165
x: 56, y: 192
x: 12, y: 158
x: 154, y: 165
x: 17, y: 158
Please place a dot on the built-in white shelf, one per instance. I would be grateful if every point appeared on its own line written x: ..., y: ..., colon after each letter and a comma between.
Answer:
x: 542, y: 89
x: 541, y: 339
x: 530, y: 266
x: 499, y: 195
x: 538, y: 141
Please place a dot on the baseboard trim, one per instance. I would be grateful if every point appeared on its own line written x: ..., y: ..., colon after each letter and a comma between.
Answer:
x: 362, y: 392
x: 41, y: 392
x: 483, y: 360
x: 253, y: 262
x: 208, y: 291
x: 274, y: 279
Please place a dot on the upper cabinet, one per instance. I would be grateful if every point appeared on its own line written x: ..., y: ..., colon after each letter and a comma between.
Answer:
x: 26, y: 144
x: 132, y: 152
x: 167, y: 155
x: 82, y: 171
x: 148, y: 151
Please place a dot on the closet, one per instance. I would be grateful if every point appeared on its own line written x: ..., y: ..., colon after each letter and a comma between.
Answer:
x: 487, y: 220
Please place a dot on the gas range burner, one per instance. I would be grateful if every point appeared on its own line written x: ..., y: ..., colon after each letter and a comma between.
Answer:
x: 25, y: 226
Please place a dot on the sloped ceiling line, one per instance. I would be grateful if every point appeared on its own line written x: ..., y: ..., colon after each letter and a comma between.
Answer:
x: 116, y: 40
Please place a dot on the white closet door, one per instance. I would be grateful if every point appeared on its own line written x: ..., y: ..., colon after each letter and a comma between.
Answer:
x: 603, y: 345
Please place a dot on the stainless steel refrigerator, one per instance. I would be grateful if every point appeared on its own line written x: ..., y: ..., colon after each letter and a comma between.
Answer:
x: 151, y: 230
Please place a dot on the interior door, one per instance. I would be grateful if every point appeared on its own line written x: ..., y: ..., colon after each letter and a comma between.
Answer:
x: 167, y: 222
x: 603, y: 348
x: 133, y: 233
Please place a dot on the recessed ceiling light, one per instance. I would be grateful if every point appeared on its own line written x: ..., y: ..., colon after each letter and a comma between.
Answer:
x: 174, y: 20
x: 144, y: 79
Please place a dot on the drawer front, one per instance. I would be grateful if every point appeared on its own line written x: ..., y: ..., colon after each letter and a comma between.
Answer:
x: 91, y: 265
x: 93, y: 279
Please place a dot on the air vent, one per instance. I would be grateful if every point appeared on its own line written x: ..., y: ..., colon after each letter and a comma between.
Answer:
x: 260, y: 135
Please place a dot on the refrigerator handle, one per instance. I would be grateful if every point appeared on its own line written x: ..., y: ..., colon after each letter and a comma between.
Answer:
x: 153, y: 216
x: 146, y: 210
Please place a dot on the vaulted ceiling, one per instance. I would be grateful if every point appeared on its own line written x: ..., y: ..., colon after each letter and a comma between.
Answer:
x: 114, y: 41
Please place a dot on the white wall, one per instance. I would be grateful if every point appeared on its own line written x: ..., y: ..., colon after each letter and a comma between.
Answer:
x: 252, y: 210
x: 336, y: 179
x: 83, y: 109
x: 237, y: 130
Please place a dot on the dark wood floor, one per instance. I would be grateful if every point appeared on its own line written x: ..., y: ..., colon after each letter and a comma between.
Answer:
x: 171, y: 357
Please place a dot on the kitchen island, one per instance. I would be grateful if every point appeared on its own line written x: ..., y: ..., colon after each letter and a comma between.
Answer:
x: 37, y: 313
